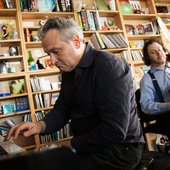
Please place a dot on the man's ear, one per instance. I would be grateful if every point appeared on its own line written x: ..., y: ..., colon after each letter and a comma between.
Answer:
x: 76, y: 41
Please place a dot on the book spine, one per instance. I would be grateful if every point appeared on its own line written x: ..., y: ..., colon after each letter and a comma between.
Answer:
x: 84, y: 20
x: 80, y: 20
x: 100, y: 40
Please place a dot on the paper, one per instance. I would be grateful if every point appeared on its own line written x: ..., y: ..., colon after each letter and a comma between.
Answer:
x: 10, y: 146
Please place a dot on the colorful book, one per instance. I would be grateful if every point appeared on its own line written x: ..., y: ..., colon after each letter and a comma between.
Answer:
x: 125, y: 7
x: 17, y: 86
x: 10, y: 123
x: 21, y: 104
x: 4, y: 89
x: 8, y: 108
x: 7, y: 27
x: 129, y: 29
x: 101, y: 5
x: 54, y: 97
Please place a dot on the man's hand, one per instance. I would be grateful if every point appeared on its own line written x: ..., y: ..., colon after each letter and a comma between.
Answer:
x: 27, y: 129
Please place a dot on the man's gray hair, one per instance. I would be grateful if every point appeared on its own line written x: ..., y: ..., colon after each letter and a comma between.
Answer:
x: 66, y: 26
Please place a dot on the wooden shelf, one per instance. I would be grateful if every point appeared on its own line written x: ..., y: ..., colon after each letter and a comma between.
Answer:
x: 45, y: 91
x: 15, y: 114
x: 164, y: 15
x: 115, y: 50
x: 140, y: 37
x: 44, y: 72
x: 13, y: 96
x: 10, y: 41
x: 7, y: 76
x: 33, y: 44
x: 11, y: 58
x: 45, y: 15
x: 89, y: 33
x: 8, y: 12
x: 139, y: 16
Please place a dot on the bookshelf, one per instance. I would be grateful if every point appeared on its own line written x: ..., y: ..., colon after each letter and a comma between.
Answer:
x: 24, y: 39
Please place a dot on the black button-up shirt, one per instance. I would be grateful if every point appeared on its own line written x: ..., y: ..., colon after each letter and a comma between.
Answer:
x: 98, y: 97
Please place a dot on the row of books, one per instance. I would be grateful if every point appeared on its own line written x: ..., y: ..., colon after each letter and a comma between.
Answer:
x: 136, y: 44
x: 102, y: 41
x: 65, y: 132
x: 27, y: 118
x: 91, y: 21
x: 135, y: 55
x: 45, y: 100
x: 7, y: 124
x: 124, y: 55
x: 17, y: 105
x: 12, y: 87
x: 43, y: 83
x: 141, y: 29
x: 61, y: 134
x: 6, y: 4
x: 5, y: 127
x: 43, y: 6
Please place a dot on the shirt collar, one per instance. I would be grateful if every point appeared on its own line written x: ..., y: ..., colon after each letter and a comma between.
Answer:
x: 154, y: 69
x: 86, y: 59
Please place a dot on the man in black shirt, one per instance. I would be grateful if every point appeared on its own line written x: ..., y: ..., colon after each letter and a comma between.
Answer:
x: 97, y: 95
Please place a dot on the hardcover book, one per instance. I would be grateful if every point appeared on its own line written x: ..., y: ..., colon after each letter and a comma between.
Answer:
x: 10, y: 123
x: 21, y: 104
x: 148, y: 28
x: 54, y: 97
x: 129, y: 29
x: 139, y: 29
x: 4, y: 89
x: 125, y: 7
x: 17, y: 86
x: 7, y: 29
x: 8, y: 108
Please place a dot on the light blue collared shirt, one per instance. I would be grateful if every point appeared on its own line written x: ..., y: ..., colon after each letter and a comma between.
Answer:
x: 149, y: 100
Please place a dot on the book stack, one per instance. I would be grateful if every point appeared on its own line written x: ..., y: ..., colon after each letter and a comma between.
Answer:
x: 108, y: 41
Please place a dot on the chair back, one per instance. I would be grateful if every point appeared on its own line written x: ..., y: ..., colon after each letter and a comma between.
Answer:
x: 145, y: 119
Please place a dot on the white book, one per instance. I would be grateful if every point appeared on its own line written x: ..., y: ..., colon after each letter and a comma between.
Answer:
x: 41, y: 100
x: 44, y: 84
x: 36, y: 82
x: 55, y: 85
x: 34, y: 88
x: 37, y: 101
x: 46, y: 99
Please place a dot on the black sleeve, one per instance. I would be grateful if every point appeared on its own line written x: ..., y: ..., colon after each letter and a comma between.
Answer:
x: 57, y: 117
